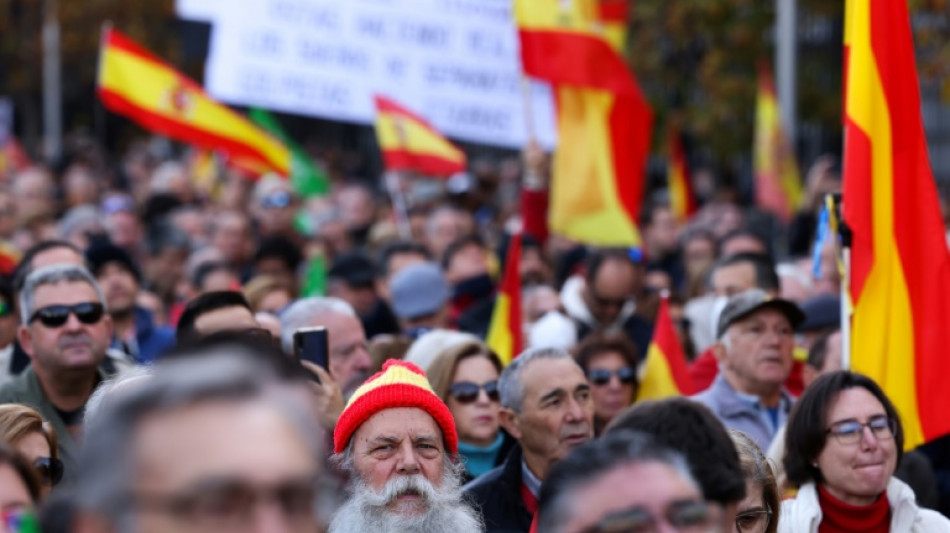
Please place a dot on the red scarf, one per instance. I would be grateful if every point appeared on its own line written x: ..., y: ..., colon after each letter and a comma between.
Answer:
x: 840, y: 517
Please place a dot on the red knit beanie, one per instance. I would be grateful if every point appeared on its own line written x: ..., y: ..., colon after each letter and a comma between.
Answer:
x: 399, y: 384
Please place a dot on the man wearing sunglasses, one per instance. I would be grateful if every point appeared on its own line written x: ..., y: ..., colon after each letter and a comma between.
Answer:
x: 624, y: 482
x: 65, y: 331
x: 604, y: 300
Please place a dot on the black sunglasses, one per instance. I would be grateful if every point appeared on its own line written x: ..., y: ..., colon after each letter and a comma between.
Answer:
x: 50, y: 469
x: 601, y: 376
x: 467, y: 391
x: 54, y: 316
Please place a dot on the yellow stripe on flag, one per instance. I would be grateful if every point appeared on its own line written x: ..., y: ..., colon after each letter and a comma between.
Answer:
x: 585, y: 204
x: 883, y: 335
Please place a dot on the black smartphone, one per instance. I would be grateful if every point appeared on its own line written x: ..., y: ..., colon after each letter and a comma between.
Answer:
x: 313, y: 344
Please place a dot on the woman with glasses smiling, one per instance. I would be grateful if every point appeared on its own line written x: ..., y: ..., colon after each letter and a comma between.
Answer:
x: 610, y: 363
x: 466, y: 378
x: 843, y: 442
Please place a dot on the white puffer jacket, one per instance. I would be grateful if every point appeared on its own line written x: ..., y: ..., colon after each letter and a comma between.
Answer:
x: 803, y: 513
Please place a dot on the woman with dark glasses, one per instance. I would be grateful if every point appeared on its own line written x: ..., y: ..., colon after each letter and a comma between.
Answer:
x: 610, y: 362
x: 25, y: 430
x: 466, y: 378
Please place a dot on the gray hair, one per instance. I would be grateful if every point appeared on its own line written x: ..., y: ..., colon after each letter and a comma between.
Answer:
x: 304, y: 311
x: 51, y: 275
x: 510, y: 387
x: 107, y: 466
x: 589, y: 462
x: 112, y: 388
x: 81, y: 217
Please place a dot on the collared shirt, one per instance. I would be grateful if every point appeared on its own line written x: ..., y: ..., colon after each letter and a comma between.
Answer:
x: 744, y: 412
x: 530, y: 480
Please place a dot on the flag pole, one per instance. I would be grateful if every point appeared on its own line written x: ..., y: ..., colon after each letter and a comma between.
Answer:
x: 845, y: 233
x: 394, y: 185
x: 528, y: 108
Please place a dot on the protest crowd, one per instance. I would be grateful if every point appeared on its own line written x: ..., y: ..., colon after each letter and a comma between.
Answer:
x: 192, y: 344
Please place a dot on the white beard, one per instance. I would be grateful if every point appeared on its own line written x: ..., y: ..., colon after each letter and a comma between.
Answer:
x: 441, y: 509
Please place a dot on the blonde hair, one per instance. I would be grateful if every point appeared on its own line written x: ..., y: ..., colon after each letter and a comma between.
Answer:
x: 17, y: 421
x: 442, y: 371
x: 260, y: 286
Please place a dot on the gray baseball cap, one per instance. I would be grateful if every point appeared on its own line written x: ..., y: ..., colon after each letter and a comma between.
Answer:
x: 418, y: 290
x: 745, y: 303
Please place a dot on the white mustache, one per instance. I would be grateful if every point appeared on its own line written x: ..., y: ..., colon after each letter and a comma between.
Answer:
x: 400, y: 486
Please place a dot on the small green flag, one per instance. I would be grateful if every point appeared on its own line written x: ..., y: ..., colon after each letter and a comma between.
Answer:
x: 316, y: 282
x: 306, y: 179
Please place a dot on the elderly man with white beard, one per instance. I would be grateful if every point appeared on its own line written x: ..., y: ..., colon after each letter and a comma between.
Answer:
x: 398, y: 442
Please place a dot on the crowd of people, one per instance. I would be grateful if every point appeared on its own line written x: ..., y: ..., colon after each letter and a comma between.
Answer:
x: 149, y: 379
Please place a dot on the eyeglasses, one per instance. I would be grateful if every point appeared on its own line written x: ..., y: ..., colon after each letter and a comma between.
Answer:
x: 601, y: 376
x: 277, y: 199
x: 850, y: 431
x: 50, y: 470
x: 607, y: 302
x: 5, y: 309
x: 54, y: 316
x: 685, y: 516
x: 229, y: 505
x: 754, y: 521
x: 467, y: 391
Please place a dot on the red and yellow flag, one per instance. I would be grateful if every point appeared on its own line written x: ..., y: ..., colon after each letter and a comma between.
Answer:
x: 603, y: 120
x: 505, y: 336
x: 408, y: 142
x: 678, y: 180
x: 664, y: 371
x: 900, y: 274
x: 134, y: 83
x: 778, y: 184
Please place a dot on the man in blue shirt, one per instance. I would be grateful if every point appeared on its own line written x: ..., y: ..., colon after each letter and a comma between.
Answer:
x: 756, y: 336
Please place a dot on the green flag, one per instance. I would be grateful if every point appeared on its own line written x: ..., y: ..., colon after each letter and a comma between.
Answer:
x: 316, y: 282
x: 305, y: 177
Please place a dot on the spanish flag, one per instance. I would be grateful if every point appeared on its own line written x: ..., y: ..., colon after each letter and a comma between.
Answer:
x: 504, y: 332
x: 603, y: 120
x: 664, y: 372
x: 134, y: 83
x: 900, y: 278
x: 678, y: 180
x: 408, y: 142
x: 778, y: 184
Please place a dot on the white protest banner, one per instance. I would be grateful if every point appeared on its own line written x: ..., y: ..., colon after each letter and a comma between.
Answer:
x: 455, y: 62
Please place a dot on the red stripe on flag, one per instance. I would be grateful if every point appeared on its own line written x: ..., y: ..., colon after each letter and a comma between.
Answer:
x: 858, y: 203
x: 575, y: 59
x: 511, y: 286
x: 614, y: 10
x: 918, y: 227
x: 424, y: 164
x: 385, y: 105
x: 665, y: 338
x: 630, y: 125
